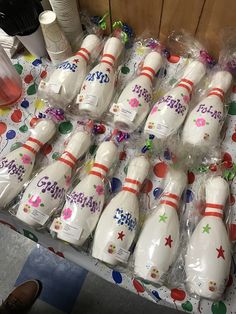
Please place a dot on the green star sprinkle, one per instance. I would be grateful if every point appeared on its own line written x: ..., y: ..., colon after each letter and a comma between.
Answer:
x: 163, y: 218
x: 206, y: 229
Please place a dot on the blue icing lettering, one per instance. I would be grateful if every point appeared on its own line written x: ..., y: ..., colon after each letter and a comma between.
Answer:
x: 66, y: 65
x: 125, y: 218
x: 99, y: 76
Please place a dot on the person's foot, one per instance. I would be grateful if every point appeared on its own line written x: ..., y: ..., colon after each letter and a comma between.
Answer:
x: 22, y: 297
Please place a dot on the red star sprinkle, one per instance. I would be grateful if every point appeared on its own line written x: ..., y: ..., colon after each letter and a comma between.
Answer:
x: 108, y: 70
x: 121, y: 235
x: 76, y: 60
x: 168, y: 241
x: 220, y: 252
x: 84, y: 86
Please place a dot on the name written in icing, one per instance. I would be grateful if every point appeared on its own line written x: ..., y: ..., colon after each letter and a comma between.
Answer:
x: 51, y: 187
x: 173, y: 104
x: 66, y: 65
x: 125, y: 218
x: 84, y: 201
x: 213, y: 113
x: 13, y: 168
x: 142, y: 92
x: 98, y: 75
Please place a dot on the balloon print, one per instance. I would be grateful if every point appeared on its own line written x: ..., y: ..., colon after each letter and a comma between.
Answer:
x: 137, y: 285
x: 117, y: 277
x: 3, y: 127
x: 160, y: 169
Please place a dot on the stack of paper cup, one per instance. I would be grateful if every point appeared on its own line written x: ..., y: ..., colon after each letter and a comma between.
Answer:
x: 57, y: 45
x: 68, y: 19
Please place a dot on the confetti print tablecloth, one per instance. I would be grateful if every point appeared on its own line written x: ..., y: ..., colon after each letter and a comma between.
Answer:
x: 14, y: 129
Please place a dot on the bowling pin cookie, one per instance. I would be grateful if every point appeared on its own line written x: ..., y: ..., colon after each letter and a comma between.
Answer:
x: 159, y: 238
x: 169, y: 112
x: 208, y: 258
x: 118, y: 223
x: 17, y: 166
x: 85, y: 202
x: 203, y: 124
x: 46, y: 191
x: 64, y: 83
x: 98, y: 86
x: 135, y: 100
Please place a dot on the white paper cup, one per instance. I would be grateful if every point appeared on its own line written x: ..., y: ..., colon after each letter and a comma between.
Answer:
x: 58, y: 57
x: 34, y: 43
x: 69, y: 19
x: 55, y: 39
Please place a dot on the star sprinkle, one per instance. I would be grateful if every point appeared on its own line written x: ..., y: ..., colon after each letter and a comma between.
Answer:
x: 162, y: 218
x: 206, y: 229
x: 168, y: 241
x: 76, y: 60
x: 220, y: 252
x: 121, y: 235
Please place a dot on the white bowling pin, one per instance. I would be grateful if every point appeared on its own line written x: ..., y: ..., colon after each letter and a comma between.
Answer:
x: 203, y: 124
x: 84, y: 204
x: 169, y: 112
x: 65, y: 81
x: 17, y: 166
x: 159, y: 239
x: 208, y: 258
x: 118, y: 224
x: 46, y: 191
x: 134, y: 102
x: 98, y: 86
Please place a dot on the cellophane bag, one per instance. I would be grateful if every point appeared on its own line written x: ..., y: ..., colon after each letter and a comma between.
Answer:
x: 177, y: 91
x: 16, y: 167
x: 64, y: 81
x: 44, y: 194
x: 86, y: 197
x: 158, y: 242
x: 97, y: 88
x: 138, y: 79
x: 201, y: 134
x: 204, y: 259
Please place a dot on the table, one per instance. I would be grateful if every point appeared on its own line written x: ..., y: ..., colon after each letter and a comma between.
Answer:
x: 14, y: 129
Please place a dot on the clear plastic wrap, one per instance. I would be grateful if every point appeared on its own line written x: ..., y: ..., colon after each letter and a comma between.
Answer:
x: 168, y: 114
x: 46, y: 191
x: 118, y: 224
x: 133, y: 103
x: 134, y: 57
x: 63, y: 84
x: 84, y: 203
x: 97, y: 89
x: 16, y: 167
x: 159, y: 239
x: 203, y: 125
x: 208, y: 253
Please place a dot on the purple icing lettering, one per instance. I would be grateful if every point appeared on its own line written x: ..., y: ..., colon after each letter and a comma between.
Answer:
x: 51, y: 187
x: 13, y: 168
x: 205, y: 110
x: 84, y: 201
